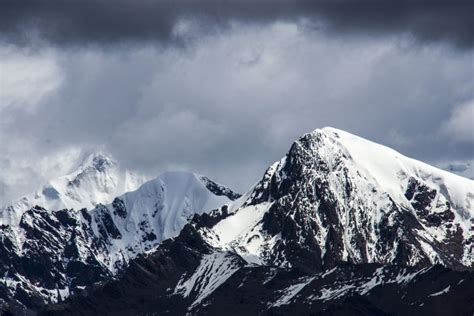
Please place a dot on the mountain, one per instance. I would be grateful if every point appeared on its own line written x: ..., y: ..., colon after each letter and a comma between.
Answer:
x: 337, y: 197
x: 187, y: 277
x: 98, y: 179
x: 51, y: 254
x: 339, y: 226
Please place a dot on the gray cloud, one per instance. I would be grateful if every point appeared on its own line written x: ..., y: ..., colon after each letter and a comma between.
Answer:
x: 230, y: 104
x: 104, y: 22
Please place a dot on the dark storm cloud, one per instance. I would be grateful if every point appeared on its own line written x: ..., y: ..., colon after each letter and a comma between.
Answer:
x: 233, y: 103
x: 230, y: 106
x: 66, y: 22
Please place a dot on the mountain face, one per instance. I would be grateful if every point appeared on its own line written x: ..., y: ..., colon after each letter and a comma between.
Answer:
x: 98, y: 179
x: 336, y: 198
x: 187, y: 276
x: 51, y: 254
x: 339, y: 226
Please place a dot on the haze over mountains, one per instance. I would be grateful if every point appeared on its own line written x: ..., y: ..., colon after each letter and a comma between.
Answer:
x: 338, y: 224
x: 98, y: 179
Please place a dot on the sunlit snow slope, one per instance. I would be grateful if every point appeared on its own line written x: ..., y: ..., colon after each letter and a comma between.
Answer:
x: 339, y: 226
x: 47, y: 252
x: 338, y: 197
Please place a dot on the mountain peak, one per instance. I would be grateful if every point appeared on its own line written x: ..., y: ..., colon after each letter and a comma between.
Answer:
x: 99, y: 161
x: 336, y: 197
x: 334, y: 200
x: 97, y: 179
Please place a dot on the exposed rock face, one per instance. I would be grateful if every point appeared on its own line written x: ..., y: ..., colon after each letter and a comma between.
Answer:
x: 326, y: 203
x: 338, y: 226
x: 50, y: 255
x: 186, y: 275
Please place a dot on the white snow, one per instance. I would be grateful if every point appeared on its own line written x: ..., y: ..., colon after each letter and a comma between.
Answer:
x: 99, y: 179
x: 388, y: 167
x: 240, y: 223
x: 332, y: 293
x: 292, y: 291
x: 242, y: 232
x: 160, y: 207
x: 444, y: 291
x: 379, y: 176
x: 408, y: 277
x: 213, y: 270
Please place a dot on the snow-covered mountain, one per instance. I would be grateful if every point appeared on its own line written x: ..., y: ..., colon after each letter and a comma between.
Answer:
x: 338, y: 197
x: 98, y: 179
x: 51, y: 253
x: 340, y: 225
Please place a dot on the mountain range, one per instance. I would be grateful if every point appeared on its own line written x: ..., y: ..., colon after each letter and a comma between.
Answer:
x: 339, y: 226
x: 98, y: 179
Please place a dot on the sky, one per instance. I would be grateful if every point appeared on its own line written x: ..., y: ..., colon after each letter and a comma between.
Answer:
x: 223, y: 88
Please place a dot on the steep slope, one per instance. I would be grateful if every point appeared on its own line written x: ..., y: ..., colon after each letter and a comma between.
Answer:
x: 337, y: 197
x: 339, y: 226
x: 98, y: 179
x: 50, y: 254
x: 188, y: 276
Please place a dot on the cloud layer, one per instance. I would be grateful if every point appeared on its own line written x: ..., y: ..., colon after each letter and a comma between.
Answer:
x: 231, y: 103
x: 104, y: 22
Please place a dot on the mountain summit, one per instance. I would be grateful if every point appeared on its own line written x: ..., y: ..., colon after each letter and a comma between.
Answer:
x: 340, y: 224
x: 98, y: 179
x: 52, y: 253
x: 336, y: 197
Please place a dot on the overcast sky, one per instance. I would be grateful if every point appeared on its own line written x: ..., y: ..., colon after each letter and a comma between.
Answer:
x: 224, y: 87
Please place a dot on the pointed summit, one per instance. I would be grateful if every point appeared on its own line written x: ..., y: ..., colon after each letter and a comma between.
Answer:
x: 99, y: 161
x: 98, y: 179
x: 336, y: 197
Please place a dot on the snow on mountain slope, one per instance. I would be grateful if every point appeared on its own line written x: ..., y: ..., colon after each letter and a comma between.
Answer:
x: 187, y: 276
x: 158, y: 210
x: 390, y: 170
x: 337, y: 216
x: 52, y: 251
x: 214, y: 269
x: 338, y: 197
x: 98, y: 179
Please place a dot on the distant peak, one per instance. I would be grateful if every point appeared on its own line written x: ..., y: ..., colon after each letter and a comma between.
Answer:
x: 99, y: 161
